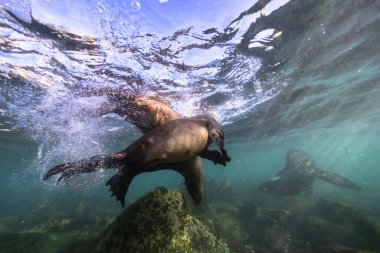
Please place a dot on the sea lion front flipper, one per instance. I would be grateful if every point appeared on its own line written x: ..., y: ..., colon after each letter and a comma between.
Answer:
x: 215, y: 156
x: 119, y: 184
x: 92, y: 164
x: 336, y: 179
x: 224, y: 153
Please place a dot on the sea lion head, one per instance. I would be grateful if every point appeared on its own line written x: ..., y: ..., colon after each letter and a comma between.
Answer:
x: 215, y: 131
x: 299, y: 161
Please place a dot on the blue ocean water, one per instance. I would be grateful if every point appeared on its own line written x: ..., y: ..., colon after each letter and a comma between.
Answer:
x: 278, y: 75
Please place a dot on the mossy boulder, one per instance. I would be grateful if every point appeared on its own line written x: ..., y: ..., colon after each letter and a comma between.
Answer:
x: 339, y: 249
x: 220, y: 210
x: 271, y: 230
x: 225, y: 218
x: 159, y: 222
x: 329, y: 222
x: 53, y: 236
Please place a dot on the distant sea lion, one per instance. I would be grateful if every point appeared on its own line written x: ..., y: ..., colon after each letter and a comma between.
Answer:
x: 299, y: 173
x: 174, y: 145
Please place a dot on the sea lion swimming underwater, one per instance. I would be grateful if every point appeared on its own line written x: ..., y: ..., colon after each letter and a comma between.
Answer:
x: 175, y: 145
x: 145, y: 112
x: 300, y: 173
x: 148, y: 112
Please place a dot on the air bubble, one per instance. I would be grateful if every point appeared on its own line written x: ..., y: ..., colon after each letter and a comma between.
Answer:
x: 135, y: 6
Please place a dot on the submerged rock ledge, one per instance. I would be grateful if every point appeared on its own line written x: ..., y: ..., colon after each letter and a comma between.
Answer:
x: 159, y: 222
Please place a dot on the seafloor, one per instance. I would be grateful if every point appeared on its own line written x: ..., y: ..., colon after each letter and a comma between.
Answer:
x: 167, y: 221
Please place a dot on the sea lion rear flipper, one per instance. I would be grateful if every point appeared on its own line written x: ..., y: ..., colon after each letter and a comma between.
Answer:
x: 119, y: 184
x: 336, y: 179
x: 92, y: 164
x: 216, y: 156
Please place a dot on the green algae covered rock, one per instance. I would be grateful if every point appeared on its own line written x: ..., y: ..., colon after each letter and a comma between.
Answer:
x: 221, y: 211
x: 328, y: 222
x: 53, y: 236
x: 159, y: 222
x: 225, y: 218
x: 339, y: 249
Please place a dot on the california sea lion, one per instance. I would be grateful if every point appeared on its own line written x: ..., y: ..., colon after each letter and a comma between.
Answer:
x: 299, y: 173
x: 174, y: 145
x: 146, y: 113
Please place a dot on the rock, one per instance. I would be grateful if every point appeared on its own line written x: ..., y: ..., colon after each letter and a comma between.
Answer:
x: 225, y: 218
x: 335, y: 249
x: 271, y: 231
x: 39, y: 240
x: 37, y: 233
x: 220, y: 211
x: 339, y: 249
x: 159, y: 222
x: 329, y: 222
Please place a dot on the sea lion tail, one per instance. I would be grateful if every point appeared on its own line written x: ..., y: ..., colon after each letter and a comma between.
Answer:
x: 336, y: 179
x: 92, y: 164
x: 119, y: 184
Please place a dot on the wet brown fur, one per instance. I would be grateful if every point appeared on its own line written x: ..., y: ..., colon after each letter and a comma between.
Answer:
x: 176, y: 141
